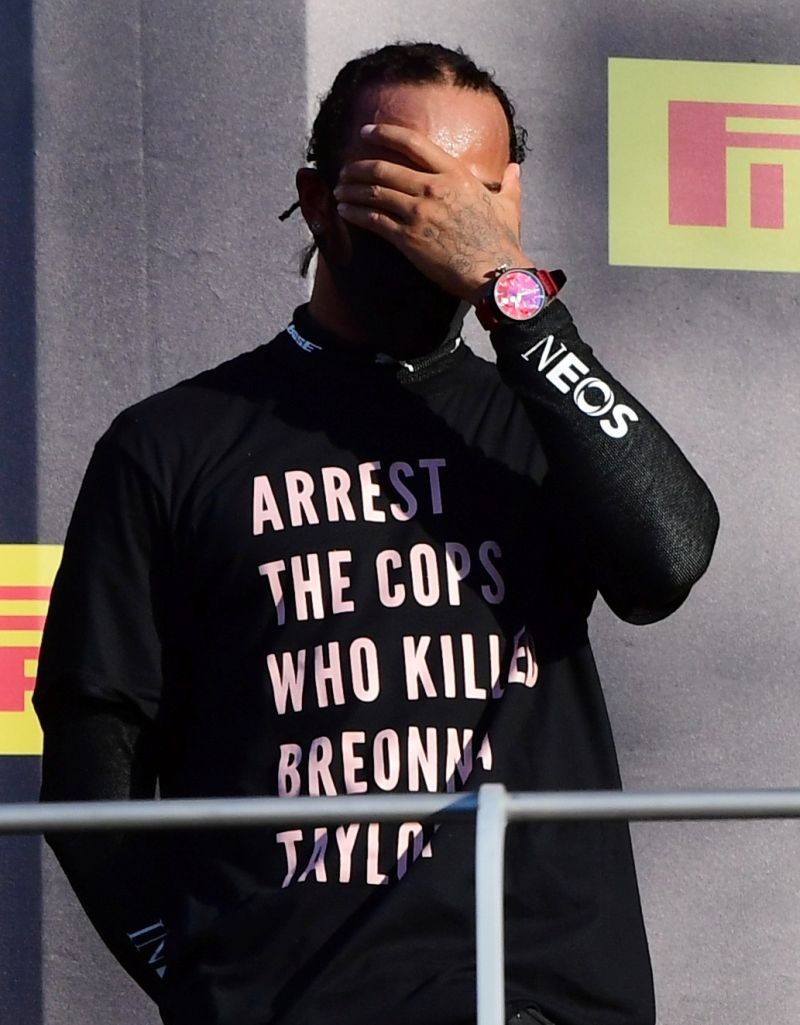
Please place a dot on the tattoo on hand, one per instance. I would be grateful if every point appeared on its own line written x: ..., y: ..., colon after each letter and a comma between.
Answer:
x: 474, y: 235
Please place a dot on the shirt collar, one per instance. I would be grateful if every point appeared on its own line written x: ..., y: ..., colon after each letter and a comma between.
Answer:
x: 316, y: 341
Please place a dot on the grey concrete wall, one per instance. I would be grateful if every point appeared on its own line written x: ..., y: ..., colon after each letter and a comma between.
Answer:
x: 167, y: 134
x: 167, y: 139
x: 20, y: 943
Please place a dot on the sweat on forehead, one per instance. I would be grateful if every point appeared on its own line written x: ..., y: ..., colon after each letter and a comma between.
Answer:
x: 457, y: 119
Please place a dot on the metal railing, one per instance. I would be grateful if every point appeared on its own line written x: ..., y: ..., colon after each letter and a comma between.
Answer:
x: 493, y: 806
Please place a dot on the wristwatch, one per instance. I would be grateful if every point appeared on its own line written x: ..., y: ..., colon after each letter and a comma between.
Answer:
x: 517, y: 294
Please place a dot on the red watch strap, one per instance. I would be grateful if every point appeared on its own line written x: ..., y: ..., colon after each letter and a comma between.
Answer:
x: 553, y: 280
x: 486, y: 318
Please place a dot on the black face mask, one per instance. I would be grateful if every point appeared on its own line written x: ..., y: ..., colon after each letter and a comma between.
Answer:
x: 401, y: 311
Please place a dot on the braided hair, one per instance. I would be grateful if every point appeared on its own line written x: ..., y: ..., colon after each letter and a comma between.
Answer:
x: 397, y: 64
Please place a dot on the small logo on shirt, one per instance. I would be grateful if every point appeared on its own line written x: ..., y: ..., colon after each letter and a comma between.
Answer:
x: 150, y: 942
x: 300, y: 342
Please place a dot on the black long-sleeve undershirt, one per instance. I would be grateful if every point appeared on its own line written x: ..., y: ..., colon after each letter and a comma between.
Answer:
x: 644, y: 521
x: 95, y: 751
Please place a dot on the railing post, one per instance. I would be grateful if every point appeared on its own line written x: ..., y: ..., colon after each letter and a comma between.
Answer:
x: 490, y: 839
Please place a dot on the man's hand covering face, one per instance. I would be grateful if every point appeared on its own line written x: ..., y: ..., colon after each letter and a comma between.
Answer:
x: 438, y: 214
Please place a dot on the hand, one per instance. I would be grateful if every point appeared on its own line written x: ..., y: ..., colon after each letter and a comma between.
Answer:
x: 438, y: 214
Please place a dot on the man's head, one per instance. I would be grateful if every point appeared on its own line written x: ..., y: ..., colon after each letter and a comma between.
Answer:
x: 437, y: 92
x: 398, y: 64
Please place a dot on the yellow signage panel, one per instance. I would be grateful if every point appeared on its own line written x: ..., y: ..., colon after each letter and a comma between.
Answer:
x: 704, y: 164
x: 26, y: 577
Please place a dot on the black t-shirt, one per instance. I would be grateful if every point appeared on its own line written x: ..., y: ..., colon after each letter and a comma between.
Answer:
x: 322, y: 573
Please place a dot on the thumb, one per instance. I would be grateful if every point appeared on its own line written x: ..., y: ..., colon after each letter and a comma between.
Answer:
x: 510, y: 183
x: 511, y: 190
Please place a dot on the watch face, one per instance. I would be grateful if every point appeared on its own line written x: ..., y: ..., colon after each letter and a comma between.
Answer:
x: 519, y: 294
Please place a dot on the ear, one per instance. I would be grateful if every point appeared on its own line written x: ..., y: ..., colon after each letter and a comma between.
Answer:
x: 318, y: 207
x: 316, y: 200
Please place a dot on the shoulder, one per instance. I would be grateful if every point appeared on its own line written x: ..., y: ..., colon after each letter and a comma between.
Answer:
x: 176, y: 432
x: 192, y: 411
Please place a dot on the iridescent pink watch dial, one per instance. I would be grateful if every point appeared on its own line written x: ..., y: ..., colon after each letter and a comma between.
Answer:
x: 519, y: 294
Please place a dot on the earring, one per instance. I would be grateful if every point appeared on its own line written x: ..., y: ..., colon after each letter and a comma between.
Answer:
x: 316, y: 228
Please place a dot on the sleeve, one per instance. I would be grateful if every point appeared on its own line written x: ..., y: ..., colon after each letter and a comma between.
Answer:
x: 97, y: 696
x: 642, y: 521
x: 101, y: 751
x: 103, y: 635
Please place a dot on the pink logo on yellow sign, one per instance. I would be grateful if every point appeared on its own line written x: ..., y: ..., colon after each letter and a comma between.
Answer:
x: 26, y: 576
x: 704, y: 164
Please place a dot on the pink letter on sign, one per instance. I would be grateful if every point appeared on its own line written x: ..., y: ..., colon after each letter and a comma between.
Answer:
x: 766, y: 196
x: 698, y: 143
x: 14, y: 674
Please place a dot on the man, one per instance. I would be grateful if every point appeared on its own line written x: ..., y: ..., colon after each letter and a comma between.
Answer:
x: 361, y: 559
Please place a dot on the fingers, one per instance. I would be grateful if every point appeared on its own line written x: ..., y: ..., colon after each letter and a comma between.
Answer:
x: 374, y: 220
x: 386, y: 173
x: 418, y: 148
x: 398, y: 204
